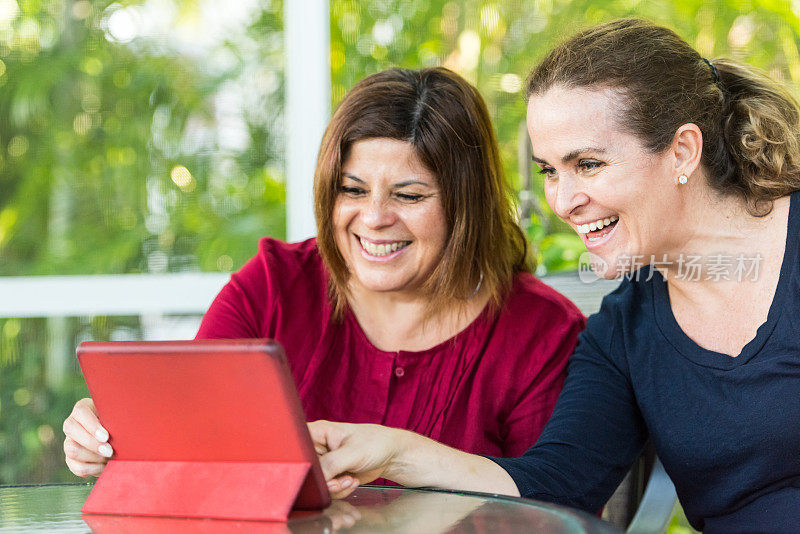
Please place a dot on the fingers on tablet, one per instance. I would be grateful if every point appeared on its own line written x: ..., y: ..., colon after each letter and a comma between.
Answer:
x: 327, y: 435
x: 82, y: 461
x: 86, y: 440
x: 342, y: 486
x: 85, y: 469
x: 348, y: 491
x: 78, y: 437
x: 86, y: 414
x: 79, y: 453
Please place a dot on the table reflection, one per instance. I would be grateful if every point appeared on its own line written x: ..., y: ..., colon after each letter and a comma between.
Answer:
x: 56, y: 508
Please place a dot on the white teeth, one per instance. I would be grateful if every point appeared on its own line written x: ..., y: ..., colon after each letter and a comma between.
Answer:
x: 382, y: 249
x: 596, y: 225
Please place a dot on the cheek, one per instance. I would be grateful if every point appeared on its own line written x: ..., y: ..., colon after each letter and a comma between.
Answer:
x: 550, y: 193
x: 428, y: 225
x: 342, y: 214
x: 437, y: 233
x: 340, y: 225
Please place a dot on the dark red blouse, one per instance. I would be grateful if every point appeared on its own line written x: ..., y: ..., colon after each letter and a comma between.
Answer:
x: 488, y: 390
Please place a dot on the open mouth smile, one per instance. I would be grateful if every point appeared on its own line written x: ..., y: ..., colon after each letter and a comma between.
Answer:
x: 382, y: 249
x: 596, y: 232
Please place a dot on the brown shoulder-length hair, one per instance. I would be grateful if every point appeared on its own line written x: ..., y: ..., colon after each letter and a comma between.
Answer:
x: 750, y: 123
x: 446, y: 121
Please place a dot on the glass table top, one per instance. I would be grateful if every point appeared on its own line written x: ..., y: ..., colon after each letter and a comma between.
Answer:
x: 56, y: 508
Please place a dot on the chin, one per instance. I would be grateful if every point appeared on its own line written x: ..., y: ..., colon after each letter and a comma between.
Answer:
x: 380, y: 285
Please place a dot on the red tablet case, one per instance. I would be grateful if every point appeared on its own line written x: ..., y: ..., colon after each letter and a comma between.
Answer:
x: 209, y: 428
x: 303, y: 521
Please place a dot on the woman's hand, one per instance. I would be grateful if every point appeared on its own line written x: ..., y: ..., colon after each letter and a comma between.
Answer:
x: 86, y: 443
x: 354, y: 454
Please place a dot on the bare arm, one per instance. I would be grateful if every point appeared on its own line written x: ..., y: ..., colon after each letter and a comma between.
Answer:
x: 357, y: 454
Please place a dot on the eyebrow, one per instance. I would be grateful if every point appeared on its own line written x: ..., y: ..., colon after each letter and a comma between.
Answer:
x: 569, y: 156
x: 398, y: 184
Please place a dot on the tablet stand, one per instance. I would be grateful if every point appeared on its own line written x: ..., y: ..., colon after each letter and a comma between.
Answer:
x: 223, y: 490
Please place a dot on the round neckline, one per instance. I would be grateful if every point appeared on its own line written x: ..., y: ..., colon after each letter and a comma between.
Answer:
x: 480, y: 320
x: 687, y: 347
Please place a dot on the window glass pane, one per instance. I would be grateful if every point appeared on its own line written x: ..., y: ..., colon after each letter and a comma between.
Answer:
x: 139, y: 137
x: 135, y: 137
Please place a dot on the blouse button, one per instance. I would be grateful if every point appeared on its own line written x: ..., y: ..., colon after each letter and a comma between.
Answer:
x: 399, y: 371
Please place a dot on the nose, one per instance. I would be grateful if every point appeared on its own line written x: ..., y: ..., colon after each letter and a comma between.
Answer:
x: 377, y: 212
x: 569, y: 196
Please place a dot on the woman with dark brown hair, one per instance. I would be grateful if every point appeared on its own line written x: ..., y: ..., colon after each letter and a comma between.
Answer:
x: 415, y: 306
x: 683, y: 174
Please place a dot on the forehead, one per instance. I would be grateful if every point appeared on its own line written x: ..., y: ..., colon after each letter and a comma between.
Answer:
x: 563, y: 119
x: 384, y: 158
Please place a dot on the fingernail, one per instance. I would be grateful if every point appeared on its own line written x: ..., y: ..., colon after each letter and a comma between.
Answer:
x: 346, y: 483
x: 101, y: 434
x: 105, y: 450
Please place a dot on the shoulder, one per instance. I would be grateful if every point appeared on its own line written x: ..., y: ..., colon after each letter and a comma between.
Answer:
x: 631, y: 301
x: 293, y: 270
x: 279, y: 260
x: 536, y: 320
x: 625, y: 318
x: 284, y: 284
x: 534, y: 299
x: 278, y: 254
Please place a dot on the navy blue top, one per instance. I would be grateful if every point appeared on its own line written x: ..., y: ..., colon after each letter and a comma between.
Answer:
x: 726, y: 429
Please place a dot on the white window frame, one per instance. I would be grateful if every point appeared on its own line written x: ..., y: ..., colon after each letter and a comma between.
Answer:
x: 308, y: 95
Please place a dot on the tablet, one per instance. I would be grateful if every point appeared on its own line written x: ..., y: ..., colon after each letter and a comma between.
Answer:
x: 226, y: 403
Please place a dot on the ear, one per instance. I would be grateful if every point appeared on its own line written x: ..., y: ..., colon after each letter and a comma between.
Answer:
x: 687, y: 148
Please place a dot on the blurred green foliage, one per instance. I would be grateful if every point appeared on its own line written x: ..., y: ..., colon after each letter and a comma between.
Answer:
x: 31, y: 410
x: 129, y: 153
x: 113, y: 159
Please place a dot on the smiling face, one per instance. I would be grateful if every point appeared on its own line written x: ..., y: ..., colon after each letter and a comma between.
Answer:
x: 622, y: 199
x: 388, y: 219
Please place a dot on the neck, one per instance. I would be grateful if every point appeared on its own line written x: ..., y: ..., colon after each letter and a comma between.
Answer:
x: 387, y: 304
x: 718, y: 231
x: 396, y: 321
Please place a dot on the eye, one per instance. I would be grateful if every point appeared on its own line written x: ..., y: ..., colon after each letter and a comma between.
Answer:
x: 547, y: 171
x: 352, y: 191
x: 589, y: 166
x: 409, y: 197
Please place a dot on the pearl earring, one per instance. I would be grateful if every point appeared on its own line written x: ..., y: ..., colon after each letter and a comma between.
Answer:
x: 682, y: 179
